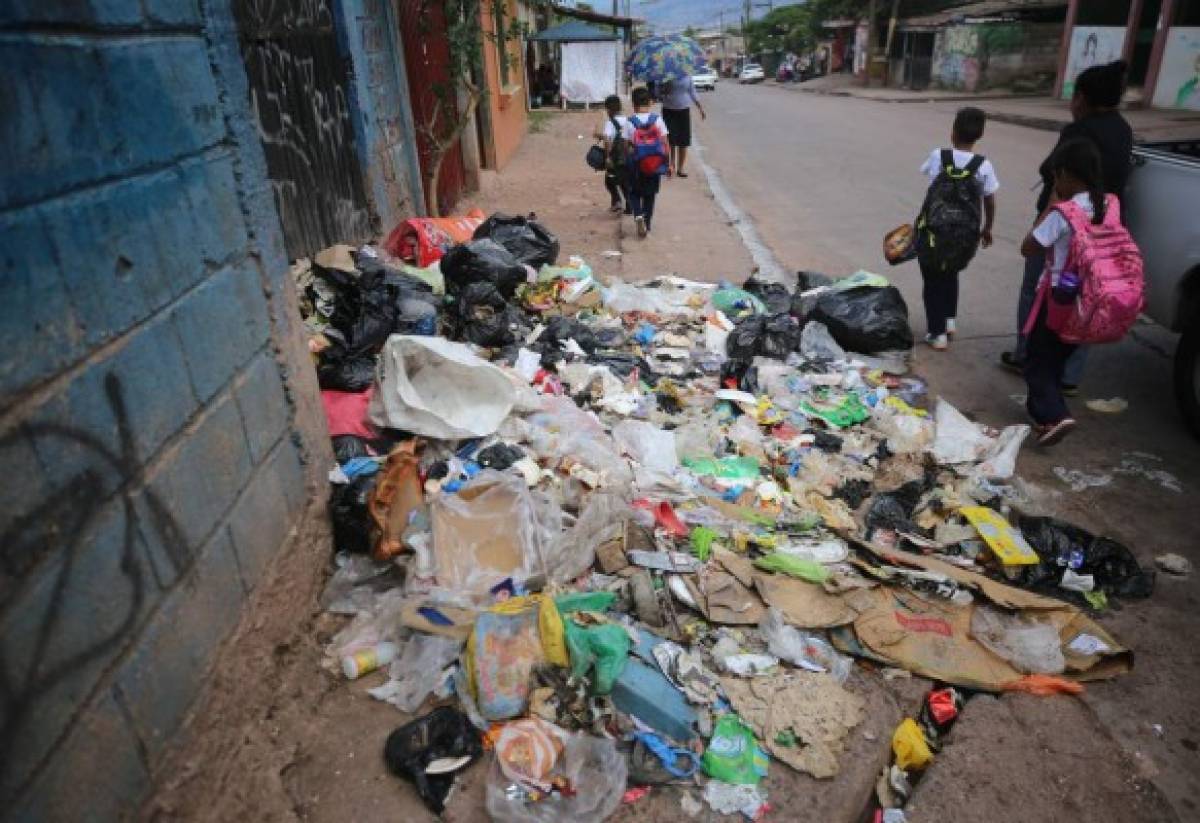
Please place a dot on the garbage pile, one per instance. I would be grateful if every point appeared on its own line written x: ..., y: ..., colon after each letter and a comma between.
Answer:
x: 623, y: 536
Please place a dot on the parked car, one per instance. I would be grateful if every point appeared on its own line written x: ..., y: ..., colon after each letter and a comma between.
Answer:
x: 751, y: 73
x: 705, y: 80
x: 1163, y: 188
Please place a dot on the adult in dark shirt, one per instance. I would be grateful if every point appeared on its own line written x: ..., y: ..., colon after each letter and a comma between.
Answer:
x: 1098, y: 92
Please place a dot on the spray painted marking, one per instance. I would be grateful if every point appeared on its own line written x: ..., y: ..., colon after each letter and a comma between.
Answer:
x: 769, y: 267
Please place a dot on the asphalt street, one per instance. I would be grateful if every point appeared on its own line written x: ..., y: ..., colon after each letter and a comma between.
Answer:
x: 823, y: 178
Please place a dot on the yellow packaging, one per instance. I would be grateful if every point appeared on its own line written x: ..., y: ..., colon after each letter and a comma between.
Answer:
x: 1006, y: 543
x: 909, y: 746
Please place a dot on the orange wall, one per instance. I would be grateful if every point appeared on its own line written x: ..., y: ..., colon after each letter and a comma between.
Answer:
x: 509, y: 117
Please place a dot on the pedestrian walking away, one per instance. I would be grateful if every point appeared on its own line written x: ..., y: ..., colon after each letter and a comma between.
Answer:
x: 1094, y: 109
x: 955, y: 219
x: 677, y: 104
x: 648, y: 159
x: 612, y: 132
x: 1075, y: 172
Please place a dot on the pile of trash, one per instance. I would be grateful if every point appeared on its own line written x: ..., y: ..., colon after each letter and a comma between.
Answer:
x: 623, y: 536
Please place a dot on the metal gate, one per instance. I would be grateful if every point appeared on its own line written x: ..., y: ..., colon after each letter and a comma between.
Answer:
x: 298, y: 92
x: 427, y: 59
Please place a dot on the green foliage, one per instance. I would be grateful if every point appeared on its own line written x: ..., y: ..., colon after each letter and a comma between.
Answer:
x: 787, y: 28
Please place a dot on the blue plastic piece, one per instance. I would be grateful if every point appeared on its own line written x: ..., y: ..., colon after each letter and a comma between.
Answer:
x: 645, y: 693
x: 669, y: 755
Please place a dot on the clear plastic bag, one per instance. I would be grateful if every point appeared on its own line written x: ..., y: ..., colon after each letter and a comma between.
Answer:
x: 816, y: 343
x: 807, y: 651
x: 1030, y: 646
x: 570, y: 552
x: 652, y: 447
x: 420, y: 669
x: 593, y: 767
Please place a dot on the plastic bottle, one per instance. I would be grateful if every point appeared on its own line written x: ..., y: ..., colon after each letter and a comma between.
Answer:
x: 369, y: 659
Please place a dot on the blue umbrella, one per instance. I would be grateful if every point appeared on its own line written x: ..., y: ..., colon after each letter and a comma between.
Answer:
x: 673, y: 57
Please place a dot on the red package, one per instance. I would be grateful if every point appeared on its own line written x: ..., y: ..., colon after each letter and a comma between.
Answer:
x: 423, y: 240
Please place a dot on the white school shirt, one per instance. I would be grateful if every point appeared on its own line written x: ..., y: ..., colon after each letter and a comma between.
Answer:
x: 986, y: 174
x: 609, y: 132
x: 1054, y: 234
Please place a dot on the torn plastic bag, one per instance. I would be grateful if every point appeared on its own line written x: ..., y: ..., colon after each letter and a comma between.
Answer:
x: 774, y: 336
x: 424, y: 240
x: 647, y: 444
x: 443, y: 733
x: 499, y: 456
x: 571, y: 553
x: 595, y: 772
x: 816, y: 343
x: 435, y: 388
x: 353, y: 530
x: 866, y: 319
x: 346, y: 447
x: 808, y: 289
x: 1029, y: 645
x: 561, y: 329
x: 775, y: 296
x: 483, y: 317
x: 396, y: 497
x: 1061, y: 545
x: 344, y: 372
x: 894, y: 510
x: 482, y: 261
x: 526, y: 239
x: 421, y: 668
x: 598, y: 652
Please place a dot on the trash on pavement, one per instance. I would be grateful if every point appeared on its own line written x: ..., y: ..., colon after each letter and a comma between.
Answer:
x: 733, y: 754
x: 410, y: 749
x: 1174, y: 564
x: 1114, y: 405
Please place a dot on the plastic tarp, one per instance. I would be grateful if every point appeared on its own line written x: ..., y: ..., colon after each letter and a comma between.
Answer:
x: 589, y: 71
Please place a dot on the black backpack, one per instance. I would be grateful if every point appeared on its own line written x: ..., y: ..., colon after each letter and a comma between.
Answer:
x: 618, y: 152
x: 950, y: 219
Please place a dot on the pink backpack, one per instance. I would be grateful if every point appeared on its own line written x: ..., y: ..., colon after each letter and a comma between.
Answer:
x: 1112, y: 289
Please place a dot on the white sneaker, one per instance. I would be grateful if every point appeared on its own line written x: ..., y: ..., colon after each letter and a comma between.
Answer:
x: 951, y: 328
x: 937, y: 342
x: 640, y: 222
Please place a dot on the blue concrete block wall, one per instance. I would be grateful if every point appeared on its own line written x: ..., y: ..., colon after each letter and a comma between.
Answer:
x: 158, y: 435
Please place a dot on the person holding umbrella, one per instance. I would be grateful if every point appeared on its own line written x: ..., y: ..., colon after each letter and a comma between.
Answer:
x: 677, y: 114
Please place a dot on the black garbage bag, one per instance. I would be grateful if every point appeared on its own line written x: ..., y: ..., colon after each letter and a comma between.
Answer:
x: 775, y: 296
x: 825, y: 441
x: 866, y: 320
x: 854, y: 492
x: 499, y: 456
x: 353, y: 530
x: 346, y: 447
x: 561, y: 329
x: 444, y: 732
x: 525, y: 238
x: 482, y: 261
x: 894, y: 509
x: 622, y: 365
x: 346, y: 372
x: 1061, y: 545
x: 485, y: 318
x: 769, y: 335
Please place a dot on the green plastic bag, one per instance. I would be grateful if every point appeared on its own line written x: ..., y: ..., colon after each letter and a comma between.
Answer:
x: 809, y: 570
x: 733, y: 755
x: 585, y: 602
x: 737, y: 303
x: 702, y: 538
x: 725, y: 468
x: 603, y: 648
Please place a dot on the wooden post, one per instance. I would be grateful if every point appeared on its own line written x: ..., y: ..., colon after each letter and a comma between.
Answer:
x: 1065, y: 50
x: 1165, y: 18
x: 887, y: 49
x: 870, y: 47
x: 1131, y: 29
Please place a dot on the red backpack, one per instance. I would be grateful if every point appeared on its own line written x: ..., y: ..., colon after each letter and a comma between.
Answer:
x: 1112, y: 287
x: 649, y: 154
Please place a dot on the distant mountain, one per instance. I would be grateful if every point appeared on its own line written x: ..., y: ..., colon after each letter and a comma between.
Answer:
x: 675, y: 15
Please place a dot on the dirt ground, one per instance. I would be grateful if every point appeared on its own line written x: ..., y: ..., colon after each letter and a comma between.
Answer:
x: 278, y: 738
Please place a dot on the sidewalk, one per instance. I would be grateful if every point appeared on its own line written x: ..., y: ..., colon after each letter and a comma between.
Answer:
x: 1034, y: 111
x: 548, y: 176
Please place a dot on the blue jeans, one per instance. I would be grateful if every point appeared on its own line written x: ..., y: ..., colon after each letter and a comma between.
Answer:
x: 1073, y: 372
x: 642, y: 193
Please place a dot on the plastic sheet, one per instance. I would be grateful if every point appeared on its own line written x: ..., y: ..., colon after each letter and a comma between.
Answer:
x: 435, y: 388
x: 594, y: 769
x: 423, y: 665
x: 1030, y: 646
x: 807, y: 651
x: 816, y: 343
x: 647, y: 444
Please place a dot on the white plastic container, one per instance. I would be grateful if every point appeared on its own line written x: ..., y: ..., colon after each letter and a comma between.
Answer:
x: 368, y: 660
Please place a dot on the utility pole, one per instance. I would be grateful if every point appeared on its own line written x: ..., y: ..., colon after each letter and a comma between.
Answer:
x: 870, y: 47
x: 887, y: 49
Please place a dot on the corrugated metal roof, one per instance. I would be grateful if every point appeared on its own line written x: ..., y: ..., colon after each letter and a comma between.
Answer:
x: 982, y: 10
x: 574, y: 31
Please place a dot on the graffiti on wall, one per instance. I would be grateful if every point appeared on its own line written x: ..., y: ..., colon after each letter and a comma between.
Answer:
x: 1179, y: 76
x: 298, y: 93
x: 55, y: 535
x: 1091, y: 46
x: 957, y: 59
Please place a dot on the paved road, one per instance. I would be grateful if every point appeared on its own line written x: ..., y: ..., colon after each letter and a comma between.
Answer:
x: 824, y: 178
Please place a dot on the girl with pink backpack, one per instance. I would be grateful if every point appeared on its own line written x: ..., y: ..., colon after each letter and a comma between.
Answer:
x: 1092, y: 288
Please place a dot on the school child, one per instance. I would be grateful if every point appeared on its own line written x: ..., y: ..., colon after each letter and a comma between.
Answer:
x: 1092, y: 286
x: 649, y: 159
x: 961, y: 197
x: 616, y: 151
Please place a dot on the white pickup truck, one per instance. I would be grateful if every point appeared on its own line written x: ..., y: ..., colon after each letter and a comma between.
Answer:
x: 1162, y: 210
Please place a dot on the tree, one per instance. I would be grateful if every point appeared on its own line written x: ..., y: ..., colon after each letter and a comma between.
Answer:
x: 465, y: 37
x: 787, y: 28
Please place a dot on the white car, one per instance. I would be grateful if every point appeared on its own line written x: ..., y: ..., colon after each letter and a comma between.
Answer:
x: 705, y: 79
x: 751, y: 73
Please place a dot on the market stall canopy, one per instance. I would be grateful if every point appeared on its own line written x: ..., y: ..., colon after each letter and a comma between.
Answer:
x: 984, y: 11
x: 574, y: 31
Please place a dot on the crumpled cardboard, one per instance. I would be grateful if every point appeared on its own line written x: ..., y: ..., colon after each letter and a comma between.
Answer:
x: 931, y: 636
x: 722, y: 598
x: 805, y: 605
x: 812, y: 708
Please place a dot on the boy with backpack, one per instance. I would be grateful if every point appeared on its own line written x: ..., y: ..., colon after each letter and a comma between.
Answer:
x: 648, y: 159
x: 616, y: 153
x: 961, y: 197
x: 1091, y: 289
